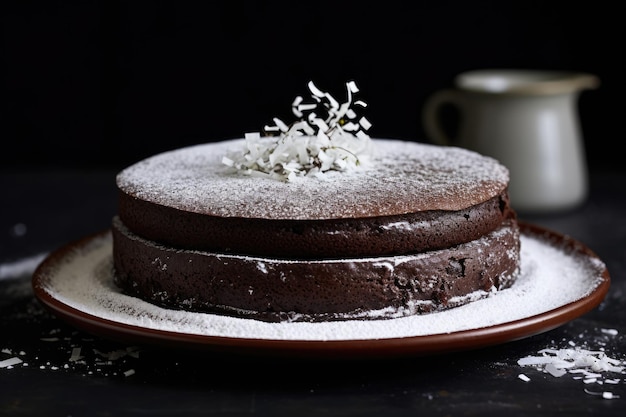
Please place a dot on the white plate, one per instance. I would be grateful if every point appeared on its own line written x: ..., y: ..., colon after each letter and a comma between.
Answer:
x: 562, y: 279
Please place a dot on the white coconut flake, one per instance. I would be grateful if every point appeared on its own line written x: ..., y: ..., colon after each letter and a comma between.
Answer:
x: 326, y: 137
x: 7, y: 363
x: 75, y: 355
x: 611, y: 332
x: 604, y: 394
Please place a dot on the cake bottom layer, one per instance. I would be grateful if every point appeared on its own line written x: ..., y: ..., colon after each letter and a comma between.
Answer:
x: 315, y: 290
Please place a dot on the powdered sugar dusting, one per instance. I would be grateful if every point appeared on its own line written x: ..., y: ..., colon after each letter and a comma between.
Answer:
x: 551, y: 278
x: 402, y: 177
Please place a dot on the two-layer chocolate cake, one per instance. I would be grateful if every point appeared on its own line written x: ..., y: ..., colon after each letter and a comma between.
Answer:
x: 317, y: 222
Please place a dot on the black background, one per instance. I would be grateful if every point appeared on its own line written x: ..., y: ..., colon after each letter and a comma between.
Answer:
x: 93, y: 84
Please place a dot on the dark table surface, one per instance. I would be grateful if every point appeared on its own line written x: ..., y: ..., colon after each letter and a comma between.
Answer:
x: 44, y: 210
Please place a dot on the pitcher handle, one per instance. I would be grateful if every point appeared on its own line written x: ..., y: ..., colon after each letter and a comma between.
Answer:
x: 431, y: 115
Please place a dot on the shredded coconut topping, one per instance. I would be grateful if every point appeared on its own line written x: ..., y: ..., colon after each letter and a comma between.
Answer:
x: 326, y: 136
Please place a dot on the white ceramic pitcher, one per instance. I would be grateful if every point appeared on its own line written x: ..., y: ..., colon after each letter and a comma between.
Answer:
x: 528, y: 120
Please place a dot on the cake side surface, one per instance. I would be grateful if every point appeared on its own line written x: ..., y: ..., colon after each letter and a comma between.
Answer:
x: 311, y: 239
x: 304, y: 290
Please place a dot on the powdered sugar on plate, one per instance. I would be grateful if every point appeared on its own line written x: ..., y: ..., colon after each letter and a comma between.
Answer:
x: 552, y: 277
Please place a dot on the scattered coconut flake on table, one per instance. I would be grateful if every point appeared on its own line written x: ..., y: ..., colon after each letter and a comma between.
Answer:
x: 590, y: 366
x: 551, y: 278
x: 8, y: 363
x: 89, y: 361
x: 75, y: 355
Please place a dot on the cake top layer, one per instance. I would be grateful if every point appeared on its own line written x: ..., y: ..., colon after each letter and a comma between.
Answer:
x: 401, y: 177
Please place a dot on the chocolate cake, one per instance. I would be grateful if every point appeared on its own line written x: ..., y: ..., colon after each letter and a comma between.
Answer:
x: 315, y: 225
